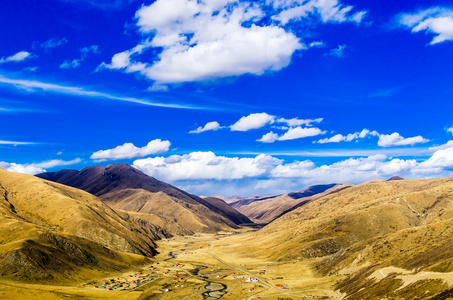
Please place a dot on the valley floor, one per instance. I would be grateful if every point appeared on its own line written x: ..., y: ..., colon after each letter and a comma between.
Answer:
x: 203, y: 266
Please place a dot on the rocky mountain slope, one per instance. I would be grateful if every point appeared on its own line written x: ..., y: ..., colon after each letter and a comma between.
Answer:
x: 49, y: 231
x: 142, y: 197
x: 390, y: 239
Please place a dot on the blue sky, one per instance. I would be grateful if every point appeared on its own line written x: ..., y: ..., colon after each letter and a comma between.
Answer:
x: 229, y: 97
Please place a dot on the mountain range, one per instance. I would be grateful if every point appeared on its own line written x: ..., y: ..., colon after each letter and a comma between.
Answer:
x: 141, y: 197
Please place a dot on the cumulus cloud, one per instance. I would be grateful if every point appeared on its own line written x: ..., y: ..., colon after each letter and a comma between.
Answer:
x: 269, y: 137
x: 440, y: 161
x: 435, y: 20
x: 450, y: 130
x: 348, y: 138
x: 18, y: 57
x: 385, y: 140
x: 36, y: 168
x: 299, y: 132
x: 291, y: 134
x: 206, y: 173
x: 209, y: 126
x: 205, y: 40
x: 395, y: 139
x: 206, y: 165
x: 128, y: 150
x: 252, y: 121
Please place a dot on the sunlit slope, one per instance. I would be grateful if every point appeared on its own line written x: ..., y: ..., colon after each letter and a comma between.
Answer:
x: 125, y: 188
x: 405, y: 224
x: 51, y: 231
x: 267, y: 209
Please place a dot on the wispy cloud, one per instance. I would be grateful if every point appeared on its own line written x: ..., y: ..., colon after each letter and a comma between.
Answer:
x: 394, y: 152
x: 435, y: 20
x: 49, y: 44
x: 32, y: 85
x: 18, y: 57
x: 15, y: 143
x: 75, y: 63
x: 338, y: 52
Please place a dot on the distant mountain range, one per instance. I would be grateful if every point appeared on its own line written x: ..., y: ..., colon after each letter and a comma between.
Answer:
x: 268, y: 208
x: 141, y: 197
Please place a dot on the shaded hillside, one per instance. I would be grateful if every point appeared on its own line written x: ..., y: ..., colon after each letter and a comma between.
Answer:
x: 125, y: 188
x: 49, y: 231
x: 232, y: 214
x: 267, y: 209
x: 370, y: 231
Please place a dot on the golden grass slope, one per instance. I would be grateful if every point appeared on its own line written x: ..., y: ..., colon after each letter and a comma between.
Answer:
x: 173, y: 214
x: 48, y: 231
x: 406, y: 224
x: 267, y: 209
x: 125, y: 188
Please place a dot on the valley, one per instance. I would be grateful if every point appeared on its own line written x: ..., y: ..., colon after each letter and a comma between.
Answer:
x: 202, y: 266
x: 376, y: 240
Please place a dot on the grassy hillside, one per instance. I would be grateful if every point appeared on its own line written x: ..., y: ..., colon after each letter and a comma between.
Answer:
x: 267, y: 209
x: 50, y: 231
x: 404, y: 226
x: 127, y: 189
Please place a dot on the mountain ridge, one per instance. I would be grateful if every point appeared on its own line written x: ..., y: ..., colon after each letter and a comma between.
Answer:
x: 125, y: 188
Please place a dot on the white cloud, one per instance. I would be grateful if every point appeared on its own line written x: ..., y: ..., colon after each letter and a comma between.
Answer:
x: 128, y: 150
x: 326, y: 10
x: 395, y: 139
x: 206, y: 173
x: 298, y: 122
x: 18, y: 57
x: 299, y: 132
x: 252, y: 121
x: 36, y: 168
x: 436, y: 20
x: 206, y: 165
x: 32, y: 85
x: 291, y: 134
x: 15, y: 143
x: 440, y: 161
x: 385, y: 140
x: 269, y: 137
x: 316, y: 44
x: 206, y: 40
x: 450, y: 130
x: 348, y: 138
x: 209, y: 126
